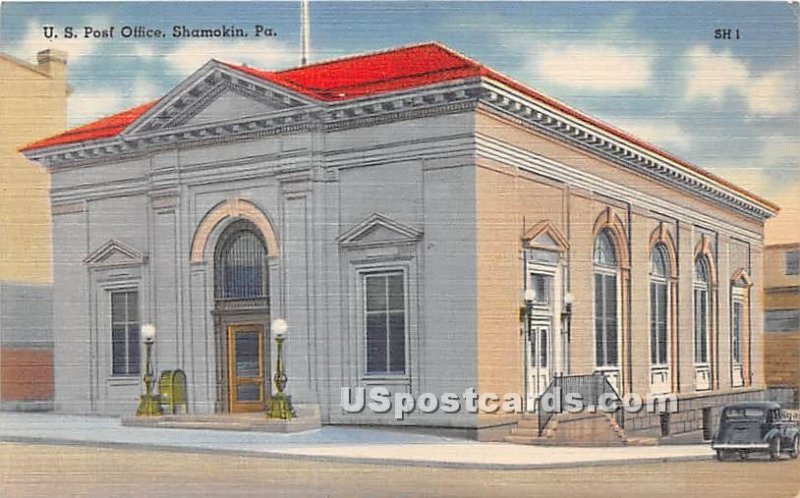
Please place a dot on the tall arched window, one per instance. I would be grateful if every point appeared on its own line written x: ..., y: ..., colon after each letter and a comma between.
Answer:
x: 606, y: 317
x: 241, y: 264
x: 702, y: 307
x: 659, y: 305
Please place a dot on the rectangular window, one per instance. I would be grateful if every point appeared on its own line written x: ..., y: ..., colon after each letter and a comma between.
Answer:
x: 605, y: 309
x: 385, y: 319
x: 782, y: 320
x: 700, y: 326
x: 125, y: 333
x: 736, y: 332
x: 658, y: 323
x: 792, y: 262
x: 541, y: 285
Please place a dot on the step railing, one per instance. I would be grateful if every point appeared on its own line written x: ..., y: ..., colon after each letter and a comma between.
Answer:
x: 590, y: 387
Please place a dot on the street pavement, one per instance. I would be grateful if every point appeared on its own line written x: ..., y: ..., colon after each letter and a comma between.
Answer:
x: 33, y: 470
x: 332, y: 444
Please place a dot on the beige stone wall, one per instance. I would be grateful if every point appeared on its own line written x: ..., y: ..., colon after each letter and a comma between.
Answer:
x: 33, y: 104
x: 782, y: 292
x: 506, y: 204
x: 509, y: 200
x: 774, y: 267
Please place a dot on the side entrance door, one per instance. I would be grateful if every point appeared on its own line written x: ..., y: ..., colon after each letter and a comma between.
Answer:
x: 246, y: 368
x: 538, y: 357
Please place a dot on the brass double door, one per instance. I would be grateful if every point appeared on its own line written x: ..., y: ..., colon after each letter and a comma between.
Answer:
x: 246, y: 368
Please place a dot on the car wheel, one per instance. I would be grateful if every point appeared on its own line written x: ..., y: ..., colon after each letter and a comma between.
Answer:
x: 795, y: 447
x: 775, y: 448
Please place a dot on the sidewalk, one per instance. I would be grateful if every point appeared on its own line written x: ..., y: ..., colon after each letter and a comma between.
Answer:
x: 336, y: 444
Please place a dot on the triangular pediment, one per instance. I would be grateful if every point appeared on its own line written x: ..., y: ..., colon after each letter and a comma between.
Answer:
x: 741, y: 279
x: 379, y: 230
x: 545, y: 235
x: 115, y: 254
x: 217, y: 93
x: 229, y: 105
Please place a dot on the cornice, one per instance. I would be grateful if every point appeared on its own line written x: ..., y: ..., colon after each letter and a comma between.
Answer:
x: 440, y: 99
x: 162, y: 128
x: 599, y: 143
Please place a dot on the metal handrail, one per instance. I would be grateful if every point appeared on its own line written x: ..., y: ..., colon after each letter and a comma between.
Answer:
x: 590, y: 387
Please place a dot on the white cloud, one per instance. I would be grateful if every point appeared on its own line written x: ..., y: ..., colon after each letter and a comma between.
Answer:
x: 87, y: 104
x: 663, y: 133
x: 715, y: 75
x: 712, y: 75
x: 191, y: 55
x: 599, y: 67
x: 772, y: 93
x: 34, y: 41
x: 143, y: 90
x: 143, y: 51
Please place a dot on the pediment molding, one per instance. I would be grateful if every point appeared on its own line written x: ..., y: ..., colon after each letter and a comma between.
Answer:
x: 115, y: 254
x: 545, y: 235
x: 376, y: 230
x: 741, y: 278
x: 202, y: 88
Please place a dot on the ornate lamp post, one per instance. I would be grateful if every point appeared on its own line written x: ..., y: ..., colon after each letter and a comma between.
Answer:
x: 280, y: 405
x: 148, y: 403
x: 529, y: 296
x: 566, y: 315
x: 566, y: 318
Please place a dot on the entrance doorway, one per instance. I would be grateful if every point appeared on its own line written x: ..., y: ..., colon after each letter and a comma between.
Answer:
x: 538, y: 358
x: 246, y: 368
x: 241, y: 310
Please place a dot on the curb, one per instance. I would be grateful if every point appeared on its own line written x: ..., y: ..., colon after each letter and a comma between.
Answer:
x: 349, y: 460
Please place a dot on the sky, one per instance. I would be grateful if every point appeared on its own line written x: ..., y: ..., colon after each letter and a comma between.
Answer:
x: 651, y: 68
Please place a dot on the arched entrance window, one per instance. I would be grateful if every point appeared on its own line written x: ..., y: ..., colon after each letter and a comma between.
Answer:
x: 241, y: 292
x: 606, y: 314
x: 659, y: 306
x: 241, y: 268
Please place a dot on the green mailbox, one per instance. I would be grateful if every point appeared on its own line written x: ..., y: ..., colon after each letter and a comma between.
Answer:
x: 172, y: 391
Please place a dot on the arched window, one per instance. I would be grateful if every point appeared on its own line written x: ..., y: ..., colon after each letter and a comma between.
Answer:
x: 701, y: 309
x: 606, y: 315
x: 659, y: 305
x: 241, y: 264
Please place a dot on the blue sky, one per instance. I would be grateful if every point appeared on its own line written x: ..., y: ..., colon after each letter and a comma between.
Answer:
x: 654, y: 69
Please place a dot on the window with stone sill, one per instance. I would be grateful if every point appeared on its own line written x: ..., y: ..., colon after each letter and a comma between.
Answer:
x: 125, y: 333
x: 792, y: 263
x: 385, y: 323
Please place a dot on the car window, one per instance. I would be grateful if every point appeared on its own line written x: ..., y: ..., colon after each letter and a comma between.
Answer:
x: 744, y: 413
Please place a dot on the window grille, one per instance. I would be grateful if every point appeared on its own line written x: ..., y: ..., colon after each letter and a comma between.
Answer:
x: 125, y: 333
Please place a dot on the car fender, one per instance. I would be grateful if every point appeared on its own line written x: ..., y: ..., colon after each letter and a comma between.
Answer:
x: 772, y: 434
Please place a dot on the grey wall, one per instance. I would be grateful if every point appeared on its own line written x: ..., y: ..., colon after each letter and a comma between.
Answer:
x: 313, y: 187
x: 25, y: 315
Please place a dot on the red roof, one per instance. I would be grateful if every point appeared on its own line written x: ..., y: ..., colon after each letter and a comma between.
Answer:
x: 373, y: 74
x: 107, y: 127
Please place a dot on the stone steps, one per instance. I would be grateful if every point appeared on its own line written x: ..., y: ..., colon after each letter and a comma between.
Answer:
x: 598, y: 429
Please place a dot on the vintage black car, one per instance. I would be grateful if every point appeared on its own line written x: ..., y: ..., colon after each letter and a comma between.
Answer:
x: 746, y: 428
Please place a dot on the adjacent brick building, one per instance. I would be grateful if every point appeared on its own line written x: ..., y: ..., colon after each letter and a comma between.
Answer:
x: 33, y: 101
x: 782, y: 319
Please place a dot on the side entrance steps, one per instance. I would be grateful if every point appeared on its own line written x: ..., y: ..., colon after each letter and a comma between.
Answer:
x: 574, y: 429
